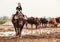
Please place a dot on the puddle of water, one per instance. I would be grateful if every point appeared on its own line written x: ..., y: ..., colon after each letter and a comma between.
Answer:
x: 7, y: 34
x: 27, y: 32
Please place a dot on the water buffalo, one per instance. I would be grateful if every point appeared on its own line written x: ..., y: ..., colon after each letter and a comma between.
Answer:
x: 32, y: 20
x: 53, y: 22
x: 44, y: 22
x: 18, y: 23
x: 58, y: 19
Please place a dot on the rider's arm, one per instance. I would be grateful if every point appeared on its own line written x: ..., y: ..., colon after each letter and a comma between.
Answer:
x: 17, y: 8
x: 21, y: 9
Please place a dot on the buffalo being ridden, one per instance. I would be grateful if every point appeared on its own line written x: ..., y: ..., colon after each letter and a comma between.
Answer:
x: 18, y: 20
x: 32, y: 20
x: 18, y: 23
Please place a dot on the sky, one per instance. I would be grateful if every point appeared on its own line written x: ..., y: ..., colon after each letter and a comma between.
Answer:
x: 35, y: 8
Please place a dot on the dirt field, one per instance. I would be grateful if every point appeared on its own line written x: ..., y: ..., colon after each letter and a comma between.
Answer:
x: 47, y: 36
x: 16, y: 39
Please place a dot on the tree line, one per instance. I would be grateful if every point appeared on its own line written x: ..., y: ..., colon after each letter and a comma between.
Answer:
x: 4, y: 19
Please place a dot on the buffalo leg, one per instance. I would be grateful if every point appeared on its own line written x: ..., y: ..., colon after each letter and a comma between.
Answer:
x: 20, y: 30
x: 55, y: 25
x: 26, y: 25
x: 42, y: 24
x: 45, y: 25
x: 31, y: 25
x: 36, y: 26
x: 16, y: 30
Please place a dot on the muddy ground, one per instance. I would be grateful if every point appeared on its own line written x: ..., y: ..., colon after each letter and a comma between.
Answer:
x: 17, y: 39
x: 43, y: 34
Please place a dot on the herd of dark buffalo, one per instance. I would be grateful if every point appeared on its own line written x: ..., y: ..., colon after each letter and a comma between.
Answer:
x: 38, y: 22
x: 41, y: 22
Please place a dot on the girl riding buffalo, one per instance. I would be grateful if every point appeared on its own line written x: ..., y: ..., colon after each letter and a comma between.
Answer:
x: 19, y: 9
x: 18, y: 20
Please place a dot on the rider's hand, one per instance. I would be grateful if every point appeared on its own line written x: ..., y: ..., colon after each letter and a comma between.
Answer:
x: 19, y: 11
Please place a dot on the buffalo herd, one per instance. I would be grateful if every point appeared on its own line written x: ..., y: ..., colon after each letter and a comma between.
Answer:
x: 19, y: 21
x: 43, y: 22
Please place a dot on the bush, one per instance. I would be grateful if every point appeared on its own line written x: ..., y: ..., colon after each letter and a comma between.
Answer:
x: 3, y: 21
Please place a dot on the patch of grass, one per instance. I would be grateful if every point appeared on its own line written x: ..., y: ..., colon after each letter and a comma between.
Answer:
x: 3, y: 21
